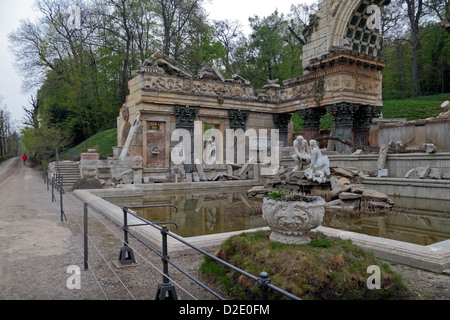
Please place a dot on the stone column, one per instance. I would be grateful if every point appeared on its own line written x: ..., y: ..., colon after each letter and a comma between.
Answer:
x: 281, y: 122
x: 185, y: 119
x: 362, y: 121
x: 343, y: 124
x: 238, y: 120
x: 311, y: 117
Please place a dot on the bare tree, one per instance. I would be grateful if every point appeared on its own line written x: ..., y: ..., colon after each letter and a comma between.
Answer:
x: 227, y: 32
x: 392, y: 19
x: 175, y: 16
x: 440, y: 7
x: 31, y: 114
x: 33, y: 56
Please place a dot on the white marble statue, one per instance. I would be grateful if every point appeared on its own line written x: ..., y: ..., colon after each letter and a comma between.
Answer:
x: 301, y: 154
x: 319, y: 167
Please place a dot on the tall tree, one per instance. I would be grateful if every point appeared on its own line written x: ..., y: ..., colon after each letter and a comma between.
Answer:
x: 227, y: 32
x: 175, y: 15
x: 415, y: 12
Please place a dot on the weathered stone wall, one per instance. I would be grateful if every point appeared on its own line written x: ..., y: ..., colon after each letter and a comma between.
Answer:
x: 416, y: 133
x: 341, y: 77
x: 397, y: 164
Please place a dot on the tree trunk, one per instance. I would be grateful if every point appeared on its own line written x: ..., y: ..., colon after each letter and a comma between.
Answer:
x: 445, y: 77
x: 414, y: 17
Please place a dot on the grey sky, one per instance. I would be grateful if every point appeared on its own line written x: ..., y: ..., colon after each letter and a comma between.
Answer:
x: 12, y: 11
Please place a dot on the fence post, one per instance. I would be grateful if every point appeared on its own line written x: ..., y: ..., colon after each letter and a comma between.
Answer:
x: 263, y: 281
x: 61, y: 192
x: 86, y: 254
x: 53, y: 188
x: 126, y: 256
x: 166, y: 287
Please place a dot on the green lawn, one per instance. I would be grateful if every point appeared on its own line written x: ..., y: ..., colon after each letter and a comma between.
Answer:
x: 103, y: 142
x: 414, y: 108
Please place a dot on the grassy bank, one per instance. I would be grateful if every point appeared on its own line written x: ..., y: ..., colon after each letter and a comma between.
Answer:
x: 103, y: 142
x: 327, y: 268
x: 414, y: 108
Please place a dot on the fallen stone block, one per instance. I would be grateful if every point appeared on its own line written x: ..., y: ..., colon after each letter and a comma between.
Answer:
x: 370, y: 194
x: 435, y: 173
x: 344, y: 181
x: 378, y: 204
x: 422, y: 172
x: 349, y: 196
x: 335, y: 203
x: 338, y: 190
x: 342, y: 172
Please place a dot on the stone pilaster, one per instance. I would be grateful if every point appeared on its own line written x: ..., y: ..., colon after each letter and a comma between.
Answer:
x: 185, y: 119
x: 281, y: 122
x: 362, y: 120
x: 343, y: 123
x: 311, y: 118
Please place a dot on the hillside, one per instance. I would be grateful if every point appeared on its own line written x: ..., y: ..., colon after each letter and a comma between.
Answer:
x: 414, y: 108
x: 103, y: 142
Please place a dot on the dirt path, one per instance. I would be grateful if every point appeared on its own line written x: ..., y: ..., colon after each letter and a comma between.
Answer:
x: 36, y: 249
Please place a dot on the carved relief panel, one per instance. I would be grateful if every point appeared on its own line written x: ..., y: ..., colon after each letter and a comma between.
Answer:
x: 156, y: 144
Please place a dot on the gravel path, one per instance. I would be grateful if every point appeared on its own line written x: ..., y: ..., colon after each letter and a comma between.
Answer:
x: 36, y: 250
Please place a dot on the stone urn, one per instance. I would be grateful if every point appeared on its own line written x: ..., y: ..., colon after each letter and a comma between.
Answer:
x: 90, y: 173
x: 292, y: 221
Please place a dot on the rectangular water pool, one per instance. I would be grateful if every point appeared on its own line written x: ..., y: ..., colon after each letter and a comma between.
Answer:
x: 214, y: 211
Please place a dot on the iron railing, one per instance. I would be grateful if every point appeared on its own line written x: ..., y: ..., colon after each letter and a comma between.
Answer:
x: 57, y: 186
x: 166, y: 290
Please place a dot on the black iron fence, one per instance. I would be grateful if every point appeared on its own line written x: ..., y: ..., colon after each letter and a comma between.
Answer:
x: 166, y: 290
x: 57, y: 187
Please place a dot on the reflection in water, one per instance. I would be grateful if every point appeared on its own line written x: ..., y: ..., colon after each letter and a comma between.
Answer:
x: 200, y: 212
x: 203, y: 212
x: 415, y: 221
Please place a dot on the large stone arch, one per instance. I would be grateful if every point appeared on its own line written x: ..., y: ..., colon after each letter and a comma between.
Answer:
x: 335, y: 17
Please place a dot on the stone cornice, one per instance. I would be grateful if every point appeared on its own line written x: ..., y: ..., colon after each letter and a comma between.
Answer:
x: 341, y: 76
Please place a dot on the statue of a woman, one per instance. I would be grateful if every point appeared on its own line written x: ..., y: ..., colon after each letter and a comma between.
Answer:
x: 319, y: 168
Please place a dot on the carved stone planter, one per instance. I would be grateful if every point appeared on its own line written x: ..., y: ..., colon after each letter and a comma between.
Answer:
x: 292, y: 222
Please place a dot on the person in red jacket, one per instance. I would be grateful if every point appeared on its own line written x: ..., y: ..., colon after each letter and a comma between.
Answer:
x: 24, y: 158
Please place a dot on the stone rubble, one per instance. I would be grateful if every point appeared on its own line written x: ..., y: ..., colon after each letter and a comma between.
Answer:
x: 343, y: 191
x: 427, y: 173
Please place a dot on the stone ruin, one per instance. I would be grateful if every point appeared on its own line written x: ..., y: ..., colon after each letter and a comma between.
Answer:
x: 342, y: 76
x: 341, y: 187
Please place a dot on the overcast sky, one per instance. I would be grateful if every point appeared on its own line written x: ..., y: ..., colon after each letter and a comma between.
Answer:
x: 12, y: 11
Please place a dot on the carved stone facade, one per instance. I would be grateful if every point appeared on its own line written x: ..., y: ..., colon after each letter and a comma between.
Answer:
x: 238, y: 119
x: 338, y: 79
